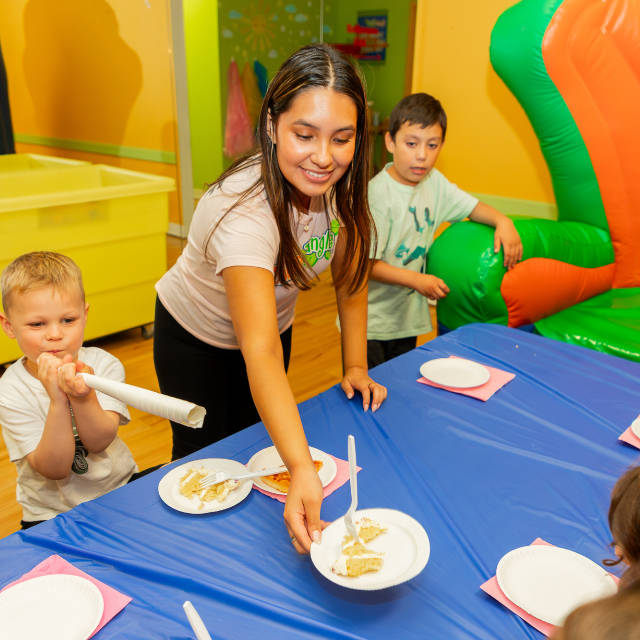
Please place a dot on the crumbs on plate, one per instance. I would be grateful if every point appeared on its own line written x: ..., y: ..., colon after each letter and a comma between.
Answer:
x: 190, y: 487
x: 356, y: 559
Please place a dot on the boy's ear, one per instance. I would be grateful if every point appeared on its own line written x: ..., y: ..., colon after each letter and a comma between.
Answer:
x: 389, y: 143
x: 6, y: 326
x: 86, y: 310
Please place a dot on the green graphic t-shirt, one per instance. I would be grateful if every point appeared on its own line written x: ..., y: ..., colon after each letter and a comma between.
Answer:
x: 406, y: 218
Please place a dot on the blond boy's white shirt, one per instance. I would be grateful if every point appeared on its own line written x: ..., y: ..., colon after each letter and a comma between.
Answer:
x: 24, y: 405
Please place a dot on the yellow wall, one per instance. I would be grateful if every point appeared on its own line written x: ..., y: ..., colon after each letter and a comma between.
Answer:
x: 96, y: 74
x: 490, y: 146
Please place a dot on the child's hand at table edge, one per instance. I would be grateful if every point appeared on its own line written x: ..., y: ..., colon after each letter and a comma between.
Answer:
x: 302, y: 508
x: 357, y: 378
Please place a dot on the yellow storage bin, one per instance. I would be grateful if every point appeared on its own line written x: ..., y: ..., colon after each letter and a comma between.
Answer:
x: 111, y: 221
x: 12, y: 162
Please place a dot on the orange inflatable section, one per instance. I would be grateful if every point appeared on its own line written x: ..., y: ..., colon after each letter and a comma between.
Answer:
x: 539, y: 287
x: 590, y: 50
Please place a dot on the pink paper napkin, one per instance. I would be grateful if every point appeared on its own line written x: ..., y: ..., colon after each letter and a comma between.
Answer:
x: 342, y: 476
x: 493, y: 589
x: 497, y: 379
x: 114, y: 601
x: 629, y: 436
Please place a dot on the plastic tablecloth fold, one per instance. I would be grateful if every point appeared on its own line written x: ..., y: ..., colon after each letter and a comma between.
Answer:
x: 539, y: 458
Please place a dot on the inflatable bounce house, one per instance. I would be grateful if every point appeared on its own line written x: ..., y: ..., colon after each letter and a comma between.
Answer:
x: 574, y: 66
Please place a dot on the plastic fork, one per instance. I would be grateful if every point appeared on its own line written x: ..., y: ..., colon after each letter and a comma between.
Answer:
x: 195, y: 621
x: 353, y: 482
x: 221, y: 476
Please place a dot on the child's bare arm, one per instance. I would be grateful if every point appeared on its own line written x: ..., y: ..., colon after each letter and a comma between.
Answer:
x: 424, y: 283
x: 96, y: 427
x: 54, y: 454
x: 505, y: 236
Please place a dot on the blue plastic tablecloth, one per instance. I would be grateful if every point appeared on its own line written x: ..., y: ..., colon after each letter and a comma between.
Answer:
x: 539, y: 458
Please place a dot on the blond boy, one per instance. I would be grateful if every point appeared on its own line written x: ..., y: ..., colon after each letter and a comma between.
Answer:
x: 61, y: 434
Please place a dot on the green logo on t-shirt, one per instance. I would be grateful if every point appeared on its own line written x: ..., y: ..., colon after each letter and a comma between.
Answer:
x: 318, y: 247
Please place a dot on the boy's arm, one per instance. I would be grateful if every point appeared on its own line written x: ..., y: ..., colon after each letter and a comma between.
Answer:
x: 505, y: 235
x: 96, y: 427
x: 54, y: 454
x: 424, y: 283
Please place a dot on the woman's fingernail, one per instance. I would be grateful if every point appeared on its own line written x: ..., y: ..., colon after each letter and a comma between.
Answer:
x: 366, y: 407
x: 374, y: 407
x: 315, y: 536
x: 349, y: 395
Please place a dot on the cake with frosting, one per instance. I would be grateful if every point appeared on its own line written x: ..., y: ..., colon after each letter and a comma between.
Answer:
x: 190, y: 487
x: 355, y: 558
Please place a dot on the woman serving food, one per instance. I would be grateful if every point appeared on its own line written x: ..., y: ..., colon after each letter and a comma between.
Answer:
x: 264, y: 230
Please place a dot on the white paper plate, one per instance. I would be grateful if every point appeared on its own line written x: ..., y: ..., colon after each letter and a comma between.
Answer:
x: 56, y: 607
x: 270, y: 457
x: 550, y: 582
x: 169, y: 486
x: 635, y: 426
x: 455, y: 372
x: 405, y: 545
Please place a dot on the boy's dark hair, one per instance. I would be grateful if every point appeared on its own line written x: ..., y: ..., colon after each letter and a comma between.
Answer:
x: 418, y: 108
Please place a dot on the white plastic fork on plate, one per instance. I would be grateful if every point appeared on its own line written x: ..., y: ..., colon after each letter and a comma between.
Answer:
x: 221, y: 476
x: 353, y: 481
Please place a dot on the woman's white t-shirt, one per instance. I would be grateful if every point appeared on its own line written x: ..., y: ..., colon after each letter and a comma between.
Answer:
x: 193, y: 289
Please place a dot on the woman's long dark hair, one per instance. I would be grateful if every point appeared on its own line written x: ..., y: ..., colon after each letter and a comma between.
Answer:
x: 317, y: 65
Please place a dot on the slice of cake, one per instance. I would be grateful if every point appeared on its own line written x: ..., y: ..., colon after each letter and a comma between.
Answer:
x: 368, y: 530
x: 354, y: 566
x: 190, y: 487
x: 190, y: 482
x: 355, y: 559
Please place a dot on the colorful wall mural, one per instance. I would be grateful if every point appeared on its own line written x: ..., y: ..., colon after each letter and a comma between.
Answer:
x: 385, y: 79
x: 255, y: 37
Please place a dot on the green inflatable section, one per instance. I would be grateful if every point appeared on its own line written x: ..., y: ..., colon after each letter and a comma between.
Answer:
x: 516, y: 55
x: 609, y: 322
x: 475, y: 275
x: 462, y: 256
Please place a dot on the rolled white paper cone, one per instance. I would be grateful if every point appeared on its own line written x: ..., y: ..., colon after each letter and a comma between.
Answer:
x: 181, y: 411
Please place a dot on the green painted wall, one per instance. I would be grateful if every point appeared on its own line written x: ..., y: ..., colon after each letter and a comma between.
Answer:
x: 385, y: 80
x: 264, y: 30
x: 217, y: 31
x: 203, y: 73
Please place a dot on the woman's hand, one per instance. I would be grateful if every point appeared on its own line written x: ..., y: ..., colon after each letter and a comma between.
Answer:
x: 372, y: 393
x: 302, y: 508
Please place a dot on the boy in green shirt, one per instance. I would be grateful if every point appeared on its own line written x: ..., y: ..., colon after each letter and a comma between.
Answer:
x: 409, y: 200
